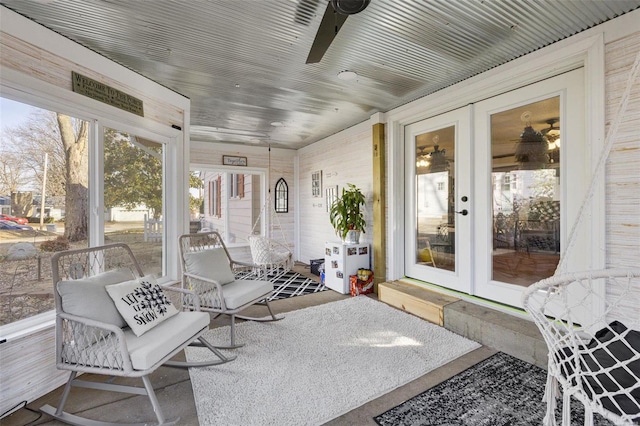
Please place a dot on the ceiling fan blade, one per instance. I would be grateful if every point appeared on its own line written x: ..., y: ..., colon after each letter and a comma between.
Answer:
x: 329, y: 27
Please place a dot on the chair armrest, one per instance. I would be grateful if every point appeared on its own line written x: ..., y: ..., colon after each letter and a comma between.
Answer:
x: 94, y: 345
x: 204, y: 279
x: 198, y: 286
x: 180, y: 296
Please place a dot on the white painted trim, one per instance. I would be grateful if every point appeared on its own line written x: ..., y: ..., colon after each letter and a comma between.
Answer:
x: 378, y: 117
x: 620, y: 27
x: 395, y: 200
x: 221, y: 168
x: 18, y: 329
x: 235, y: 148
x: 296, y: 204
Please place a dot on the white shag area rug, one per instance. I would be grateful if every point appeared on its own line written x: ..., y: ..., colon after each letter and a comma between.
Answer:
x: 318, y: 363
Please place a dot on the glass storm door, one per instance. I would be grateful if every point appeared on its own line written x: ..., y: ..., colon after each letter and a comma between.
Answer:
x: 532, y: 172
x: 438, y: 212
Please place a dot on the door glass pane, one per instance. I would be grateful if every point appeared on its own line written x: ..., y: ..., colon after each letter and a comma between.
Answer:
x: 525, y: 151
x: 133, y: 197
x: 44, y: 180
x: 435, y: 216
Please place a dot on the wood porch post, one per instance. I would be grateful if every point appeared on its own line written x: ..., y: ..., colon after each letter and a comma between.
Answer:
x: 379, y: 201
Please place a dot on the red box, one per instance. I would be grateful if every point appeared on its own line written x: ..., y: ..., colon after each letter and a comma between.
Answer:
x: 358, y: 287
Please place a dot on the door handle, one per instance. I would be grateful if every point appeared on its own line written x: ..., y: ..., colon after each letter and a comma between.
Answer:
x: 463, y: 212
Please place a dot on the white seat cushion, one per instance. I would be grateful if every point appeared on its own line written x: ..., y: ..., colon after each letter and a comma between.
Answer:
x: 241, y: 292
x: 155, y: 344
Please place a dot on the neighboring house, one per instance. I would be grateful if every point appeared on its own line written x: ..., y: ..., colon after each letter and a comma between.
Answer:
x: 123, y: 214
x: 232, y: 204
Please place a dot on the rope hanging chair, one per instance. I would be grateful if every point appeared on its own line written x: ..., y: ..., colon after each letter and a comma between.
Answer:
x: 270, y: 255
x: 590, y: 322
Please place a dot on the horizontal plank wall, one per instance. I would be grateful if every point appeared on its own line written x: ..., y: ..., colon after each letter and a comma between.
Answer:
x: 27, y: 360
x: 342, y: 158
x: 282, y: 166
x: 622, y: 171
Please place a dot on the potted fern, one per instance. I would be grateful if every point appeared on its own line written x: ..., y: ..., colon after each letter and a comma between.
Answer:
x: 346, y: 215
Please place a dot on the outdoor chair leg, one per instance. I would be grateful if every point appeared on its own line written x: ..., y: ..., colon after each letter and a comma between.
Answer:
x: 59, y: 413
x: 233, y: 344
x: 65, y: 393
x: 266, y: 319
x: 202, y: 343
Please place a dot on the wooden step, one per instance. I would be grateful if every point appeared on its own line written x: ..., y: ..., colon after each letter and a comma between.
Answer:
x: 505, y: 332
x: 415, y: 300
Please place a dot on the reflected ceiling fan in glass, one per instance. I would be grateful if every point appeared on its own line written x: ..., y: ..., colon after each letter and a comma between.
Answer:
x: 552, y: 134
x: 434, y: 161
x: 531, y: 150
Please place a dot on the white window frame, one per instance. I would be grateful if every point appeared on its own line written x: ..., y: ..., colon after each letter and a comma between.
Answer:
x: 23, y: 88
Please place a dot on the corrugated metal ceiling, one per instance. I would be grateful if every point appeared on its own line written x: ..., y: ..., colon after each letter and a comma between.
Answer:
x: 242, y: 62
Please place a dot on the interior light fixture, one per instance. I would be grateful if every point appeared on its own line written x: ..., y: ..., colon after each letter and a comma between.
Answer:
x: 347, y: 75
x: 531, y: 150
x: 435, y: 161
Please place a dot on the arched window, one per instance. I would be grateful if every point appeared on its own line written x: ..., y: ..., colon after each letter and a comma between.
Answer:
x: 282, y: 196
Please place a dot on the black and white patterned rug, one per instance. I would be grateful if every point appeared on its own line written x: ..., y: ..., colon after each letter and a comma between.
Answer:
x: 499, y: 391
x: 290, y: 284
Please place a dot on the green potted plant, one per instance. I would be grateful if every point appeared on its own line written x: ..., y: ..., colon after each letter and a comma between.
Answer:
x: 346, y: 215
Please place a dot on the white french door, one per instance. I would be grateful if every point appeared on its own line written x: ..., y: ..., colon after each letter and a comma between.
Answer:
x: 532, y: 171
x: 438, y: 211
x: 493, y: 189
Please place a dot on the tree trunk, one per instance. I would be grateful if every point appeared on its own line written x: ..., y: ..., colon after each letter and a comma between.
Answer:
x: 77, y: 171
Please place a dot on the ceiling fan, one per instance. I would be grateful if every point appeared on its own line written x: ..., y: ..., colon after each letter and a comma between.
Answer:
x: 552, y: 132
x: 334, y: 17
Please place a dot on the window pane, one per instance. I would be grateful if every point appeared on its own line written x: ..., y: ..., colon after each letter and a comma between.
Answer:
x: 41, y: 153
x: 133, y: 197
x: 525, y: 145
x: 435, y: 216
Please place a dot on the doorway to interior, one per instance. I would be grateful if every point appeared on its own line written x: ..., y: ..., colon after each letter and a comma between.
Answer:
x: 492, y: 189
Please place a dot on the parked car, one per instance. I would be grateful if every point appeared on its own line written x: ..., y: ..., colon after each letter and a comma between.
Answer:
x: 20, y: 220
x: 12, y: 226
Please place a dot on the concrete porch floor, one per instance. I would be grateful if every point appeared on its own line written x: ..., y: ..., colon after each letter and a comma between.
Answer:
x: 174, y: 391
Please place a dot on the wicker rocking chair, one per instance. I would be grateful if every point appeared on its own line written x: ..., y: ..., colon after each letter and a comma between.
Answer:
x: 213, y: 282
x: 597, y: 361
x: 93, y: 337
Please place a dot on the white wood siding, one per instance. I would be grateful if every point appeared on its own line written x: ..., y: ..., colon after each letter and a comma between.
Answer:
x: 622, y: 168
x: 53, y: 69
x: 343, y: 158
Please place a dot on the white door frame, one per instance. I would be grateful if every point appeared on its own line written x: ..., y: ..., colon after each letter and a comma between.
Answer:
x: 584, y: 50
